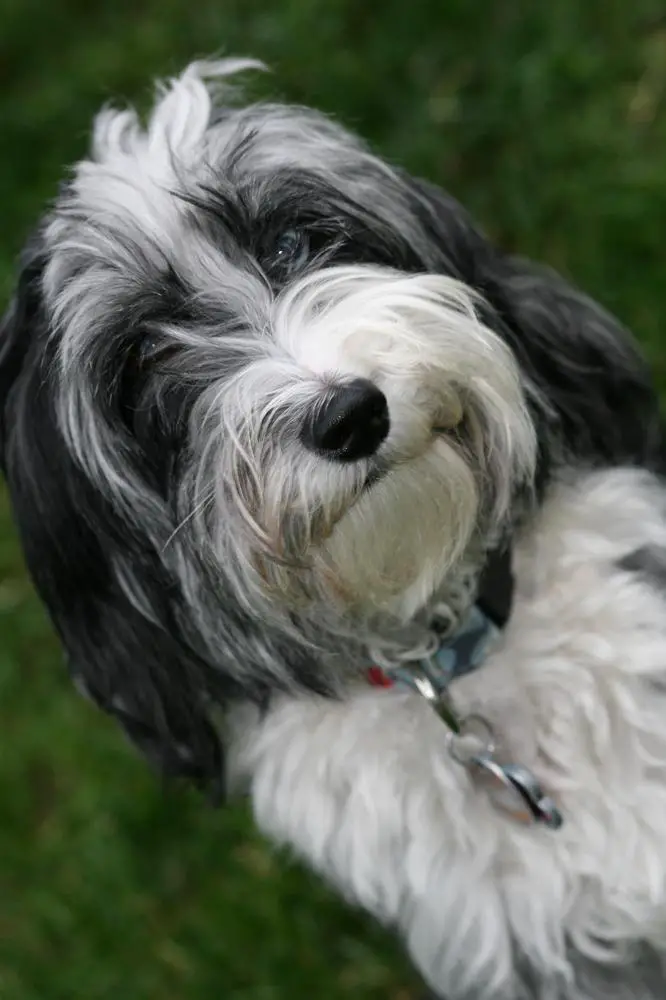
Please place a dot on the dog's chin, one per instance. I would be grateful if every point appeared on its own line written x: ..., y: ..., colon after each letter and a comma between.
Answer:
x: 401, y: 537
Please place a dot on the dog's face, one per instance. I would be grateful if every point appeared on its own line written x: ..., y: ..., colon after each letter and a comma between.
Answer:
x: 258, y: 388
x: 250, y: 298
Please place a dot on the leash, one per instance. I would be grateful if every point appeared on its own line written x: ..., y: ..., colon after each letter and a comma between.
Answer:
x: 470, y: 739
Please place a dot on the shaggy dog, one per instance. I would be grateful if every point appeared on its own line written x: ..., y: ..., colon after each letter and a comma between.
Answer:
x: 272, y: 412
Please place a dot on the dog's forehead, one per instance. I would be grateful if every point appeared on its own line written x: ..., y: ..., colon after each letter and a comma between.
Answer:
x: 134, y: 208
x: 146, y: 177
x: 140, y: 184
x: 265, y: 137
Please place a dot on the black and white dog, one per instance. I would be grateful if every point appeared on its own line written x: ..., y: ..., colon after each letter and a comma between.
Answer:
x: 269, y: 408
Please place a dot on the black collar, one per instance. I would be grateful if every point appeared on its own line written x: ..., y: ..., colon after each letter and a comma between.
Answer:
x: 496, y: 587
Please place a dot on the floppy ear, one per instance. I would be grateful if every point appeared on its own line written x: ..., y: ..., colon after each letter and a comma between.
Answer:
x: 14, y: 346
x: 599, y: 400
x: 125, y: 652
x: 586, y: 364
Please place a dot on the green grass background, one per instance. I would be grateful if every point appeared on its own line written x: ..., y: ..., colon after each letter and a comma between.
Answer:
x: 548, y: 119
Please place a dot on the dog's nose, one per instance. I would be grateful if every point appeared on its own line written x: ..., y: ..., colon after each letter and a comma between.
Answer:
x: 351, y: 424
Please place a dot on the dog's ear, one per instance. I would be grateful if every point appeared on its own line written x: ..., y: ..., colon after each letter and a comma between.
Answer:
x: 123, y: 646
x: 596, y: 389
x: 19, y: 317
x: 584, y: 362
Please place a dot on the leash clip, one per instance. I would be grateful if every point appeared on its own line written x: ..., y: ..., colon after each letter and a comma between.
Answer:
x: 515, y: 790
x: 512, y: 788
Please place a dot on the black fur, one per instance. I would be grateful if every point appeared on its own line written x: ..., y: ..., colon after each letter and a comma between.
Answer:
x: 139, y: 671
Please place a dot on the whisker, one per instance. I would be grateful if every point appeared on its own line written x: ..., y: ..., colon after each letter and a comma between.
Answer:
x: 188, y: 517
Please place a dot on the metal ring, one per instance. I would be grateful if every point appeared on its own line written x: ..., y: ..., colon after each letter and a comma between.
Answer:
x: 452, y: 739
x: 485, y: 748
x: 487, y: 730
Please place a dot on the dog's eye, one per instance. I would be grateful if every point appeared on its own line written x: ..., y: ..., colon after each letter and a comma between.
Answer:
x: 148, y: 346
x: 291, y: 251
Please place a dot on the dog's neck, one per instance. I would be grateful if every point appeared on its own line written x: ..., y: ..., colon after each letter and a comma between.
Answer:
x: 488, y: 583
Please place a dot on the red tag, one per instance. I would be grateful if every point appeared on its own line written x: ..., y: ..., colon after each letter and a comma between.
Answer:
x: 378, y: 678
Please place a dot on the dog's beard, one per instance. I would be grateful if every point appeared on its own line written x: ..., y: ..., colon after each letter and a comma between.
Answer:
x: 378, y: 534
x: 394, y: 545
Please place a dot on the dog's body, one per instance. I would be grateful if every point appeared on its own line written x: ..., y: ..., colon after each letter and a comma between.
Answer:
x: 267, y: 406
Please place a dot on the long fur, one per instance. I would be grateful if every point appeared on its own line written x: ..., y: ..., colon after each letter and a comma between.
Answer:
x: 204, y: 286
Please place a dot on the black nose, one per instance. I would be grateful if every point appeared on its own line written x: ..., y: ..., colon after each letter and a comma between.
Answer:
x: 351, y: 424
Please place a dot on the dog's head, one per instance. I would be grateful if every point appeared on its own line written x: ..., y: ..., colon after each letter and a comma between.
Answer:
x: 258, y: 387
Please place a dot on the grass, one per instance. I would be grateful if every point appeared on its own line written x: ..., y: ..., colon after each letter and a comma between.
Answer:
x: 549, y: 121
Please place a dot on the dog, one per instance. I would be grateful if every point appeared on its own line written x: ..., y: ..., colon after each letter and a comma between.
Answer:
x: 272, y: 413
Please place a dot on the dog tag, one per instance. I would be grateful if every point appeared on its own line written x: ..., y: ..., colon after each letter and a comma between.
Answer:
x: 515, y: 791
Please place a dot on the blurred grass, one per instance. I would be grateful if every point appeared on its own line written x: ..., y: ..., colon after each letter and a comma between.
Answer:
x: 549, y: 122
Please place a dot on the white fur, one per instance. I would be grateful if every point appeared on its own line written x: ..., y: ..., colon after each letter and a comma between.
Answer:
x: 364, y: 789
